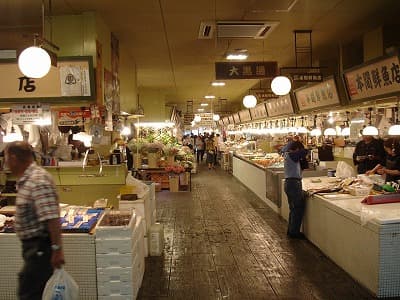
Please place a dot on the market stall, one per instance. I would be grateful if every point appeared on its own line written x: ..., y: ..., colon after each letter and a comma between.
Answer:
x: 362, y: 239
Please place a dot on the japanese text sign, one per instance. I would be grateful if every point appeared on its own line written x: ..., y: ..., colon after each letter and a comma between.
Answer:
x: 72, y: 117
x: 236, y: 118
x: 318, y: 95
x: 280, y: 106
x: 258, y: 112
x: 245, y: 115
x: 375, y: 79
x: 30, y: 114
x: 245, y: 70
x: 231, y: 120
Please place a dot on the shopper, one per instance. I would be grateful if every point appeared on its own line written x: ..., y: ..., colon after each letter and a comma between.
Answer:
x: 391, y: 168
x: 368, y: 153
x: 293, y: 187
x: 210, y: 151
x: 199, y: 149
x: 37, y: 221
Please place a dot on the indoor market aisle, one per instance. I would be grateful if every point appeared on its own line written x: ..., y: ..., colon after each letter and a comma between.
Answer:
x: 222, y: 242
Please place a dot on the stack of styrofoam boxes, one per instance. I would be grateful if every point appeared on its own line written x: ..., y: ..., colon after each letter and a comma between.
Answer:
x: 120, y: 259
x: 144, y: 207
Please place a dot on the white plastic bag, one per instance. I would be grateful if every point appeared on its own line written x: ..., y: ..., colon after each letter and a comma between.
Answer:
x: 61, y: 286
x: 344, y: 170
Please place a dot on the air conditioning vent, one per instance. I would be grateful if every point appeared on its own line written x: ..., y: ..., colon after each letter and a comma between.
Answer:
x: 245, y: 29
x: 206, y: 30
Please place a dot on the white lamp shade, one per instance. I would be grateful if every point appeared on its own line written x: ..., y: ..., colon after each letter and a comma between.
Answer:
x: 34, y: 62
x: 197, y: 118
x: 330, y: 131
x: 216, y: 117
x: 370, y: 130
x: 302, y: 129
x: 316, y: 132
x: 394, y: 130
x: 281, y: 85
x: 346, y: 131
x: 249, y: 101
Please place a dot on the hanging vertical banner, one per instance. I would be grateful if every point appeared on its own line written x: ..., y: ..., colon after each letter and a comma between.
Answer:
x: 374, y: 79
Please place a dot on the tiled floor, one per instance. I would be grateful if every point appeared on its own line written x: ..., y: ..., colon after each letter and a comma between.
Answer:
x: 222, y: 242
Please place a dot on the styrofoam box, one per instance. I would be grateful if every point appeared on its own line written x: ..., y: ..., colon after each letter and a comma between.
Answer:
x: 113, y: 232
x: 117, y: 297
x: 115, y: 287
x: 114, y: 260
x: 104, y: 246
x: 118, y: 274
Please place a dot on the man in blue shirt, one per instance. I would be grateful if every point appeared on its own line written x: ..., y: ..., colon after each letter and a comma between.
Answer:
x: 293, y: 187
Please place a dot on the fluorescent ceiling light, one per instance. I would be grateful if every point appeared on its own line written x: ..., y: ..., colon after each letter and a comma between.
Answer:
x: 237, y: 56
x: 204, y: 104
x: 209, y: 97
x: 218, y: 83
x: 200, y: 109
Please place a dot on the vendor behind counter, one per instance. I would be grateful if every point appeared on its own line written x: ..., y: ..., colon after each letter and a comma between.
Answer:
x: 369, y: 152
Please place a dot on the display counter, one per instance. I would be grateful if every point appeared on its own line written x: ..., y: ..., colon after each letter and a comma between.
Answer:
x: 265, y: 181
x: 364, y: 240
x: 90, y: 258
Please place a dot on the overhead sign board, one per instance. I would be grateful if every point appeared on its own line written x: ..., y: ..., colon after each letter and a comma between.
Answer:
x: 281, y: 106
x: 245, y: 70
x: 375, y: 79
x: 258, y: 112
x: 245, y: 115
x: 319, y: 95
x: 73, y: 78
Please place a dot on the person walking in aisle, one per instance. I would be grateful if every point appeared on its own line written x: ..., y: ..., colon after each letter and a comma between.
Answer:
x: 37, y: 221
x: 210, y: 151
x: 199, y: 149
x: 293, y: 187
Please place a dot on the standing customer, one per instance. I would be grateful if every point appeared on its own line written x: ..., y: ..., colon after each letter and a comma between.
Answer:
x: 199, y: 148
x: 210, y: 150
x: 293, y: 187
x: 37, y: 220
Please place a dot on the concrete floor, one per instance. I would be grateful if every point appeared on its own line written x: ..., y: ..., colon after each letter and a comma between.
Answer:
x: 223, y: 242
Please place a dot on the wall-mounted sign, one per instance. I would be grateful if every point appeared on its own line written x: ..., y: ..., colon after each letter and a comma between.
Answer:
x: 318, y: 95
x: 245, y: 70
x: 220, y: 122
x: 374, y: 79
x: 72, y: 116
x: 30, y: 114
x: 236, y: 118
x: 73, y: 78
x: 231, y: 120
x: 226, y: 120
x: 245, y: 115
x: 306, y: 77
x: 263, y: 94
x: 281, y: 106
x: 258, y: 112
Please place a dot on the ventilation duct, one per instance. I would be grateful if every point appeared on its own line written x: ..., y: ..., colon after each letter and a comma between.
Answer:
x: 236, y: 29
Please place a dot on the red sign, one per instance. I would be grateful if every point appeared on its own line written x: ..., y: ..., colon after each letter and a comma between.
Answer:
x: 71, y: 117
